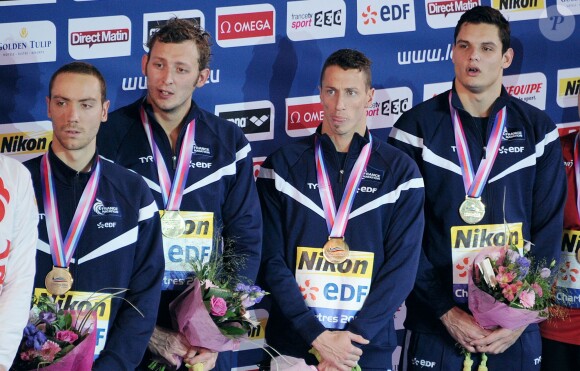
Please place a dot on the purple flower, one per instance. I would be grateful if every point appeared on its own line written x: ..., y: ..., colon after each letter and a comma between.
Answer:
x: 34, y: 338
x: 47, y: 317
x: 524, y: 264
x: 240, y: 287
x: 545, y: 273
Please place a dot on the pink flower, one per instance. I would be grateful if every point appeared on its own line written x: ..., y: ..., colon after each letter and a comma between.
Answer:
x: 504, y: 277
x: 66, y: 335
x: 495, y: 255
x: 538, y: 289
x: 49, y: 351
x: 527, y: 298
x: 509, y: 291
x: 219, y: 307
x: 28, y: 355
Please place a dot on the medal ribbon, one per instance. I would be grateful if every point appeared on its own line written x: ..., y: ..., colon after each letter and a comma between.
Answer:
x: 474, y: 184
x: 172, y: 192
x: 577, y: 169
x: 336, y: 221
x: 62, y: 251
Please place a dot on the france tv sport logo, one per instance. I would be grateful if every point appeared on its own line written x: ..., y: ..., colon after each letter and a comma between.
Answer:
x: 309, y: 20
x: 245, y: 25
x: 99, y: 37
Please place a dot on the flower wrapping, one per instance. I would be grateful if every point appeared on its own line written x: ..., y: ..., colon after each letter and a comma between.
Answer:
x: 81, y: 357
x: 191, y: 318
x: 491, y: 312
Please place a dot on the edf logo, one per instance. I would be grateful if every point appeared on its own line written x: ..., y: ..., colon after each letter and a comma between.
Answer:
x: 381, y: 16
x: 345, y: 292
x: 394, y: 12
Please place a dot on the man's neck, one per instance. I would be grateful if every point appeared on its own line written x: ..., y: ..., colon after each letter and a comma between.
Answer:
x: 171, y: 122
x: 342, y: 142
x: 79, y: 160
x: 478, y: 104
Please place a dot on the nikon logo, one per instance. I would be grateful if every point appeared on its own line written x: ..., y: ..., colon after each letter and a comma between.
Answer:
x: 520, y: 4
x: 68, y: 302
x: 486, y: 235
x: 570, y: 241
x: 22, y: 143
x: 314, y: 260
x: 569, y: 87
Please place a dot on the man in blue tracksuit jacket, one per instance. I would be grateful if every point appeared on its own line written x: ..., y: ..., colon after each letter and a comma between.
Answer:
x: 337, y: 308
x: 120, y: 245
x: 526, y: 189
x: 219, y: 194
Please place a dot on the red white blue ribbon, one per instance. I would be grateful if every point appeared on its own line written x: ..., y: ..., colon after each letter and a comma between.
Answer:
x: 62, y: 251
x: 474, y: 184
x: 172, y: 192
x: 337, y: 221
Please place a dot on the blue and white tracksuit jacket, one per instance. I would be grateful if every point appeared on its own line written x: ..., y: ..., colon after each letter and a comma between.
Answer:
x: 120, y: 247
x: 384, y: 229
x: 527, y: 185
x: 220, y: 179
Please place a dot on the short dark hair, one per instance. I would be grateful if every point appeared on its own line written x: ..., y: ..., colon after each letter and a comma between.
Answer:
x: 81, y: 68
x: 349, y: 59
x: 178, y: 30
x: 488, y: 15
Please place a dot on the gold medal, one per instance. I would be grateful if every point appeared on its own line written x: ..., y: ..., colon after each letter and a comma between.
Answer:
x: 172, y: 224
x: 58, y: 281
x: 336, y: 250
x: 472, y: 210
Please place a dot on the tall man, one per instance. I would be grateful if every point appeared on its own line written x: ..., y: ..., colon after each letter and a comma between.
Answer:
x: 489, y: 161
x: 108, y: 217
x: 343, y: 219
x: 18, y: 235
x: 171, y: 141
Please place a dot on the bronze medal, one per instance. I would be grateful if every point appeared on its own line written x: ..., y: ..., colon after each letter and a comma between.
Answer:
x: 172, y: 224
x: 336, y: 250
x: 472, y: 210
x: 58, y: 281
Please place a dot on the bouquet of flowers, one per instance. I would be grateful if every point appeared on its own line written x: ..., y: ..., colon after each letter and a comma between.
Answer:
x: 508, y: 290
x: 212, y: 312
x: 57, y: 339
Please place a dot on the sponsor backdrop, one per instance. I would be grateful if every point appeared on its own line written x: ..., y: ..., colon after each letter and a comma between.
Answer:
x: 267, y: 58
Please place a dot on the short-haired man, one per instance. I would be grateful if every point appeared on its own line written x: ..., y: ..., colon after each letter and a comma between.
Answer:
x: 18, y: 236
x: 99, y: 227
x: 170, y: 141
x: 343, y: 220
x: 488, y: 159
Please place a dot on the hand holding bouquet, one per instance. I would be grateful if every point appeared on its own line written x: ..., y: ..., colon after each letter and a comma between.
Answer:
x: 57, y: 339
x: 508, y: 289
x: 212, y: 312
